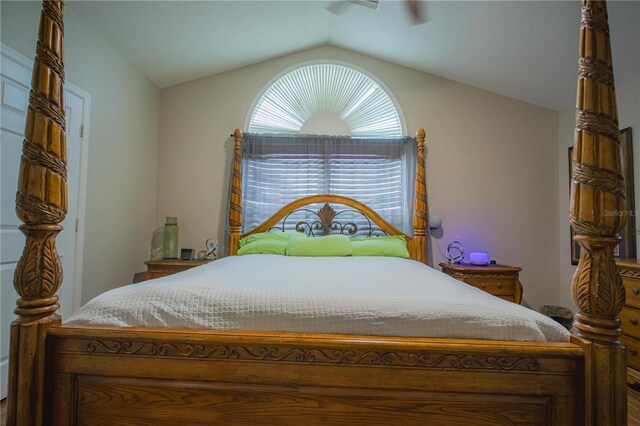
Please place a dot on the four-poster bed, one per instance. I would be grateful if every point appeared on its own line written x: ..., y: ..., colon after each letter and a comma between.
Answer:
x: 126, y: 375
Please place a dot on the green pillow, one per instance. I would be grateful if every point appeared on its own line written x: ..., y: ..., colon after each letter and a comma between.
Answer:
x: 330, y: 245
x: 267, y: 242
x: 391, y: 246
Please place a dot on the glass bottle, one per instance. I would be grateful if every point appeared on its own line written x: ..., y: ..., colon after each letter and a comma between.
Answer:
x: 170, y: 238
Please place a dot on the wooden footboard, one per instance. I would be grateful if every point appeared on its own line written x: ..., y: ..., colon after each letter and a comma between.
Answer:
x: 107, y: 376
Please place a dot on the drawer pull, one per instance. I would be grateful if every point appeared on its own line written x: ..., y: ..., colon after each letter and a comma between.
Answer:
x: 634, y: 386
x: 635, y: 291
x: 499, y: 285
x: 633, y: 351
x: 634, y: 321
x: 483, y: 286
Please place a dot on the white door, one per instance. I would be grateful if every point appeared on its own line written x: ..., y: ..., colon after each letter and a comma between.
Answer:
x: 14, y: 94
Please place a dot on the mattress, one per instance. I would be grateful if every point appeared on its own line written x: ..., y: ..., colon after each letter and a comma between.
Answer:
x: 380, y: 296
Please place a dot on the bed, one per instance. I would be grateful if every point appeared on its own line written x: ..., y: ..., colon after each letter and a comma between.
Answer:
x: 140, y: 374
x: 319, y: 295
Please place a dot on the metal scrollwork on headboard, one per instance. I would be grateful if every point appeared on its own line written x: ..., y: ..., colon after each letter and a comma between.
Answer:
x: 324, y: 221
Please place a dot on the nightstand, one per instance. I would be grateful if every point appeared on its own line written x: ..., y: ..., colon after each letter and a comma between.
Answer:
x: 500, y: 280
x: 630, y: 322
x: 162, y: 268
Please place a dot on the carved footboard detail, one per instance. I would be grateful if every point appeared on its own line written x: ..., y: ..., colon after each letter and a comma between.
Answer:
x: 139, y: 376
x: 315, y: 355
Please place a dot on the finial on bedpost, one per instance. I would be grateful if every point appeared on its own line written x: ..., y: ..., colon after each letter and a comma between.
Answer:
x: 41, y: 203
x: 597, y: 201
x: 235, y: 205
x: 420, y: 201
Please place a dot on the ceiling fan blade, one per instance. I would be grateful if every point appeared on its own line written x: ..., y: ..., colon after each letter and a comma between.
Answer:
x: 373, y: 4
x: 417, y: 12
x: 415, y: 8
x: 339, y: 7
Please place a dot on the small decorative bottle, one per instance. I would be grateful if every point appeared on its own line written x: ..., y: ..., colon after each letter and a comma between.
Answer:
x: 170, y: 239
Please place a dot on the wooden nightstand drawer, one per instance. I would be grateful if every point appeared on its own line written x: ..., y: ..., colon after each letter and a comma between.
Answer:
x: 633, y: 351
x: 160, y: 274
x: 162, y: 268
x: 632, y: 286
x: 499, y: 280
x: 495, y: 286
x: 633, y: 396
x: 630, y: 319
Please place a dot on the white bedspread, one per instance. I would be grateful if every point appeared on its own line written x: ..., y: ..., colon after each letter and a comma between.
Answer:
x: 343, y: 295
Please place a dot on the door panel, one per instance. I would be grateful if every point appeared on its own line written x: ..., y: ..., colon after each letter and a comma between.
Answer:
x: 66, y: 241
x: 14, y: 95
x: 12, y: 120
x: 12, y: 101
x: 11, y: 151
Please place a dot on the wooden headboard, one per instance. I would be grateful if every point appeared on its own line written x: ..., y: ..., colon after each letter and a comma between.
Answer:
x: 417, y: 243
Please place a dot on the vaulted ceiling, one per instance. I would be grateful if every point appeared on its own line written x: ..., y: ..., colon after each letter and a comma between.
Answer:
x: 522, y: 49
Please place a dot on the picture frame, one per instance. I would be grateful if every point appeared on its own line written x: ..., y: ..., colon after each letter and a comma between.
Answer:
x: 186, y: 254
x: 575, y: 246
x: 627, y: 247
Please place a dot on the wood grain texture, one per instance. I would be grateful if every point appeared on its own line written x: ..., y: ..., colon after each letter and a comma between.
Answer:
x: 633, y: 352
x: 162, y: 268
x: 235, y: 198
x: 268, y: 378
x: 630, y: 321
x: 3, y: 412
x: 419, y: 245
x: 211, y: 403
x: 41, y: 203
x: 597, y: 180
x: 630, y: 317
x: 632, y: 290
x: 633, y: 383
x: 499, y: 280
x: 597, y: 189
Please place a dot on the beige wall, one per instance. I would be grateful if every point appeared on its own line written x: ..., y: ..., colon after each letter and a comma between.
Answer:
x: 491, y: 167
x: 566, y: 122
x: 121, y: 183
x: 628, y: 96
x: 488, y: 156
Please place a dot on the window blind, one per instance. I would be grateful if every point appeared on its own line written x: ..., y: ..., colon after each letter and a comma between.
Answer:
x: 278, y: 169
x: 302, y: 93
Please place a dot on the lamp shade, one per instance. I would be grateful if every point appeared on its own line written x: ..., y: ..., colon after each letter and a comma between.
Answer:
x: 435, y: 222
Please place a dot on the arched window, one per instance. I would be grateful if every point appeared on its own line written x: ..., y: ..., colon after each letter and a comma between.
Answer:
x: 326, y: 98
x: 366, y: 157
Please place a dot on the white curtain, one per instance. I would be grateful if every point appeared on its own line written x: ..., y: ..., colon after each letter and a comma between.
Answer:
x: 278, y: 169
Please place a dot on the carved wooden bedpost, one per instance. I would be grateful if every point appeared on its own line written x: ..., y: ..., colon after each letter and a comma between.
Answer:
x: 235, y: 205
x: 41, y: 203
x: 420, y: 202
x: 597, y: 198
